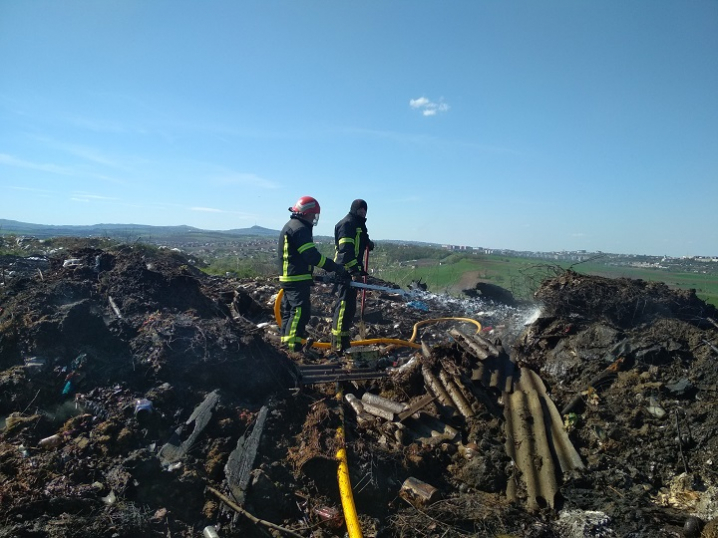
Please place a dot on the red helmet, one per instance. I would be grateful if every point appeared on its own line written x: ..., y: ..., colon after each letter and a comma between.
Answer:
x: 307, y: 208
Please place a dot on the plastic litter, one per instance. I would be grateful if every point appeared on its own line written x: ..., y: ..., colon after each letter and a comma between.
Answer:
x: 50, y: 442
x: 210, y: 532
x: 330, y: 515
x: 143, y: 406
x: 655, y: 409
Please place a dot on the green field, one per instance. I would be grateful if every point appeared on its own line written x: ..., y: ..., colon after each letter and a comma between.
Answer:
x: 522, y: 276
x: 443, y: 271
x: 447, y: 272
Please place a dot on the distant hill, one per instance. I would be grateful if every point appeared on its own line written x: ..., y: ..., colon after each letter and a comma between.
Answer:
x: 254, y: 230
x: 153, y: 234
x: 129, y: 231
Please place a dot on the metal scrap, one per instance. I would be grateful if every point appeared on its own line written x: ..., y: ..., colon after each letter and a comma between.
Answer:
x: 331, y: 373
x: 175, y: 449
x: 536, y: 441
x: 241, y: 461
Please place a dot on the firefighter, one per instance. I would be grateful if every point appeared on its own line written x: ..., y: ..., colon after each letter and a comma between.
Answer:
x: 351, y: 239
x: 297, y: 258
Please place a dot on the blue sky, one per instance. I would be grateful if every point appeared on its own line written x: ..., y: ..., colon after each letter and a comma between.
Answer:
x: 551, y: 125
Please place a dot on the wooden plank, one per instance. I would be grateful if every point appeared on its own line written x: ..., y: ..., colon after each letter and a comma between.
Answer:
x: 418, y: 405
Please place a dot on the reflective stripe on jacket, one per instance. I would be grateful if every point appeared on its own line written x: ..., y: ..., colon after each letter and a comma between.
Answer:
x: 350, y: 241
x: 297, y: 253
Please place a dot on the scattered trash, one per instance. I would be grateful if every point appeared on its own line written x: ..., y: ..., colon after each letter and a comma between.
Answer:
x: 683, y: 388
x: 143, y: 406
x: 67, y: 389
x: 584, y: 523
x: 362, y: 356
x: 50, y: 442
x: 475, y: 415
x: 570, y: 421
x: 210, y: 532
x: 175, y: 449
x: 114, y: 307
x: 419, y: 492
x: 330, y: 515
x: 241, y: 460
x: 469, y: 450
x: 35, y: 362
x: 655, y: 409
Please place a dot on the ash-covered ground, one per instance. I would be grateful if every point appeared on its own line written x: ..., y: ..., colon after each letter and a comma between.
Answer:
x: 141, y: 397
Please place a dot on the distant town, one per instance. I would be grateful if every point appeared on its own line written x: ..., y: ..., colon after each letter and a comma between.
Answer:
x: 255, y: 240
x: 629, y: 260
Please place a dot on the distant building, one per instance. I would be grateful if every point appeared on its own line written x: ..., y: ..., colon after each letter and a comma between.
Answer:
x: 457, y: 247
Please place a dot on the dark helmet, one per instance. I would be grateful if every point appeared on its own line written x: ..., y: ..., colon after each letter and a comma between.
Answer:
x: 357, y: 205
x: 307, y: 208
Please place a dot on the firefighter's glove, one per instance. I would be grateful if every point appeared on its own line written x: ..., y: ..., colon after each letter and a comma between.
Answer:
x: 370, y: 245
x: 341, y: 274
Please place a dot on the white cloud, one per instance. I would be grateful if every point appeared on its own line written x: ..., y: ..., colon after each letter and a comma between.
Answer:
x: 206, y: 209
x: 9, y: 160
x: 88, y: 154
x: 418, y: 103
x: 86, y: 197
x: 19, y: 163
x: 428, y: 107
x: 95, y: 197
x: 30, y: 189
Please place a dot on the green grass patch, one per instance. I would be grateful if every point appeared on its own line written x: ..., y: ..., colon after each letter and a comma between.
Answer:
x: 522, y: 276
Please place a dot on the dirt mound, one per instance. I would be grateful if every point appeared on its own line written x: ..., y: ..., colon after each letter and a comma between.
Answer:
x: 622, y: 302
x: 142, y: 397
x: 491, y: 292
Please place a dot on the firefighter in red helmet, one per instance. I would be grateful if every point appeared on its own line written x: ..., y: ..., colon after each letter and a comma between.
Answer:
x: 298, y: 256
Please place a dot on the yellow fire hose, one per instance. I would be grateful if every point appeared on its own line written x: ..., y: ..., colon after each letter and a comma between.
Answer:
x: 375, y: 341
x: 345, y: 487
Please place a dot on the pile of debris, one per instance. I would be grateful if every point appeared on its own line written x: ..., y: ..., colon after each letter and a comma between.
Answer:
x: 142, y: 397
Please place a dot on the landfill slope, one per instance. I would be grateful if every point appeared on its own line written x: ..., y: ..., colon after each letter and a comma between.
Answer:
x: 141, y: 397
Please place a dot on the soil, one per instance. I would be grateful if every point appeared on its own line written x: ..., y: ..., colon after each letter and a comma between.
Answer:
x: 141, y: 397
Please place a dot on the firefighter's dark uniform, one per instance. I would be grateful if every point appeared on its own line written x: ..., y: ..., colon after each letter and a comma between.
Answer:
x: 297, y: 257
x: 350, y: 241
